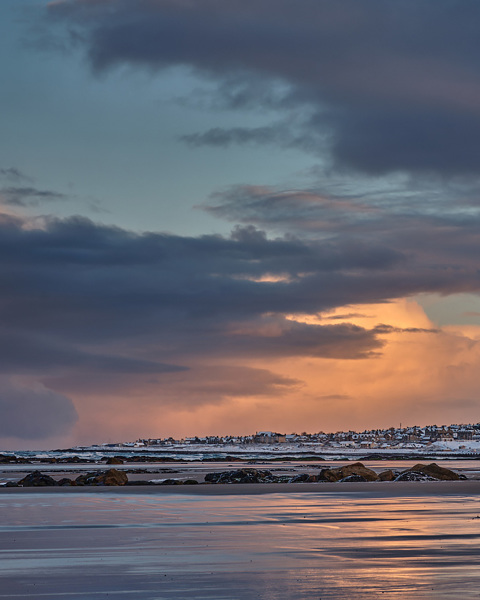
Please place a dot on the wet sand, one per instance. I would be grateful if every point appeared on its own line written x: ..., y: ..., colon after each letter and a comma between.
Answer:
x: 394, y: 541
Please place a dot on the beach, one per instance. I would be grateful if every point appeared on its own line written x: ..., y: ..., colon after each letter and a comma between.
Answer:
x: 389, y: 540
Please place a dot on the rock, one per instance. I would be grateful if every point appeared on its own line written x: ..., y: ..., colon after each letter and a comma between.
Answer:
x: 331, y: 475
x: 114, y: 460
x: 387, y: 475
x: 66, y: 481
x: 83, y: 478
x: 303, y: 477
x: 110, y: 477
x: 190, y: 482
x: 358, y: 469
x: 338, y: 473
x: 71, y: 459
x: 37, y: 479
x: 433, y: 470
x: 139, y: 482
x: 171, y: 482
x: 11, y: 458
x: 240, y: 476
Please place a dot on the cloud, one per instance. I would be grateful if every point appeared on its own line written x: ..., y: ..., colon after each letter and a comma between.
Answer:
x: 24, y: 352
x: 284, y: 337
x: 74, y: 282
x: 222, y: 137
x: 383, y: 90
x: 12, y: 173
x: 28, y: 196
x: 284, y: 134
x: 160, y: 325
x: 101, y: 308
x: 33, y: 413
x: 396, y: 231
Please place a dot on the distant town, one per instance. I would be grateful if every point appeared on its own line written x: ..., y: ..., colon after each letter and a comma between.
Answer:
x: 394, y: 437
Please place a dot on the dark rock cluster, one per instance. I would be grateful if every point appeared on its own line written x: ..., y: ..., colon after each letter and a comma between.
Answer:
x: 356, y: 472
x: 39, y: 479
x: 240, y: 476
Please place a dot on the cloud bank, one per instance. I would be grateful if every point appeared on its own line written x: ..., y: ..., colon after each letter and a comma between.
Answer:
x: 177, y: 323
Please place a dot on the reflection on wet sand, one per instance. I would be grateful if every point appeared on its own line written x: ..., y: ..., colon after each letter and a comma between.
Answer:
x: 269, y: 547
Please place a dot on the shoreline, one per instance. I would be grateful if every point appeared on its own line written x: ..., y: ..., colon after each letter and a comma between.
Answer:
x: 382, y: 489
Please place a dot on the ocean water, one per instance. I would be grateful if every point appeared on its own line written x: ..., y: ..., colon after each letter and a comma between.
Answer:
x: 289, y: 546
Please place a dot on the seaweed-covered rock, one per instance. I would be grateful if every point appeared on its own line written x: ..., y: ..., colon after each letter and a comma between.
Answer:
x: 12, y: 458
x: 7, y: 458
x: 414, y: 476
x: 331, y: 475
x: 353, y: 478
x: 110, y: 477
x: 114, y: 460
x: 37, y: 479
x: 171, y: 482
x: 85, y: 479
x: 240, y: 476
x: 65, y: 481
x: 139, y: 482
x: 301, y: 478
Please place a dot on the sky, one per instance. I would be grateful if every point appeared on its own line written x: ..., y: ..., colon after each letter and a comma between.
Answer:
x: 228, y: 216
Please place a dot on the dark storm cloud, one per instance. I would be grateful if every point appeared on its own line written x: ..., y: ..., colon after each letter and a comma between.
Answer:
x: 435, y: 234
x: 34, y: 414
x: 27, y: 353
x: 76, y: 280
x: 387, y: 85
x: 344, y: 341
x: 105, y: 298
